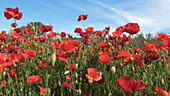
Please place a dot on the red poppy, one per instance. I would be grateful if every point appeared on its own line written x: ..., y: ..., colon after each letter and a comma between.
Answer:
x: 69, y: 35
x: 5, y: 61
x: 151, y: 46
x: 160, y: 36
x: 43, y: 64
x: 63, y: 34
x: 161, y: 91
x: 44, y: 29
x: 86, y: 94
x: 103, y: 44
x: 52, y: 35
x: 17, y: 58
x: 128, y: 85
x: 93, y: 75
x: 3, y: 83
x: 138, y: 60
x: 105, y: 59
x: 13, y: 13
x: 28, y: 31
x: 68, y: 77
x: 118, y: 31
x: 62, y: 56
x: 151, y: 56
x: 132, y: 28
x: 16, y: 33
x: 78, y: 30
x: 82, y: 17
x: 166, y: 42
x: 14, y: 25
x: 71, y: 67
x: 34, y: 79
x: 68, y: 84
x: 67, y: 46
x: 89, y: 30
x: 1, y: 69
x: 97, y: 34
x: 28, y: 53
x: 124, y: 54
x: 43, y: 90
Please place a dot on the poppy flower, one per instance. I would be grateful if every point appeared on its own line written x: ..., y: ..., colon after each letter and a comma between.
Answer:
x: 13, y: 13
x: 28, y: 53
x: 5, y: 60
x: 132, y: 28
x: 82, y: 17
x: 68, y: 84
x: 63, y: 34
x: 118, y: 31
x: 151, y: 56
x: 86, y: 94
x: 69, y: 35
x: 138, y: 60
x: 52, y: 35
x: 43, y: 90
x: 89, y: 30
x: 34, y: 79
x: 28, y: 31
x: 78, y: 30
x: 14, y: 25
x: 43, y: 64
x: 16, y: 33
x: 44, y: 29
x: 1, y: 69
x: 68, y: 77
x: 105, y: 59
x: 62, y: 56
x: 3, y: 83
x: 103, y: 44
x: 161, y: 91
x: 71, y: 67
x: 93, y: 75
x: 128, y: 85
x: 19, y: 58
x: 67, y: 46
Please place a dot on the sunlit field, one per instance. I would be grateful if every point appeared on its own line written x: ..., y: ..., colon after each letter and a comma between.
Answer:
x: 37, y: 61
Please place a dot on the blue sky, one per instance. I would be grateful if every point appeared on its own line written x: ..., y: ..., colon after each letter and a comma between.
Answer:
x: 151, y: 15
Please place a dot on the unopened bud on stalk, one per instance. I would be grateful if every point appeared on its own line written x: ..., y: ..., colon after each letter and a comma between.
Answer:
x: 59, y: 83
x: 112, y: 70
x: 79, y: 91
x: 131, y: 58
x: 66, y: 72
x: 4, y: 73
x: 76, y: 75
x: 53, y: 57
x: 162, y: 81
x: 76, y: 66
x: 76, y: 82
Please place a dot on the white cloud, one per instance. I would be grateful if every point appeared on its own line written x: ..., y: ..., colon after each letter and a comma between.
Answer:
x: 152, y: 16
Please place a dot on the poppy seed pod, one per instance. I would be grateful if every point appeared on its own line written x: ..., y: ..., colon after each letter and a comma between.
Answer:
x: 112, y: 70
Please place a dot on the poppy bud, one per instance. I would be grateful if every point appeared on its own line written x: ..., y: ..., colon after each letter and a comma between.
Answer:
x: 112, y: 70
x: 53, y: 57
x: 79, y: 92
x: 76, y: 75
x: 66, y: 72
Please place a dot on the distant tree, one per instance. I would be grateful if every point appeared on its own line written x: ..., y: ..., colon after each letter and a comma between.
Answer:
x: 35, y: 26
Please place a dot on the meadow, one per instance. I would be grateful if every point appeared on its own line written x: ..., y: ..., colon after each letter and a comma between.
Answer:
x: 100, y: 63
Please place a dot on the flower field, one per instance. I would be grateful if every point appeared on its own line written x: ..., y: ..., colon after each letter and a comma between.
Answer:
x: 100, y: 63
